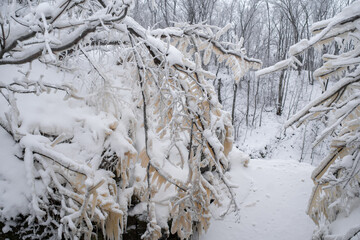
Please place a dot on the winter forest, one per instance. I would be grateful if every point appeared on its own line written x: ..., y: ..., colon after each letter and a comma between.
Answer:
x: 180, y: 119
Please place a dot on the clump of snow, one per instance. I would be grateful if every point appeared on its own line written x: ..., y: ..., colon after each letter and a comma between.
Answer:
x: 45, y: 9
x: 237, y: 157
x: 347, y: 161
x: 173, y: 55
x: 299, y: 47
x: 279, y: 65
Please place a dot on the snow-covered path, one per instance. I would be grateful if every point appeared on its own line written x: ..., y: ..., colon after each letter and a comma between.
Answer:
x: 273, y: 196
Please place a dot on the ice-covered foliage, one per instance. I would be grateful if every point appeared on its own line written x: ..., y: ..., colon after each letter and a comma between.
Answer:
x: 133, y: 119
x: 337, y: 186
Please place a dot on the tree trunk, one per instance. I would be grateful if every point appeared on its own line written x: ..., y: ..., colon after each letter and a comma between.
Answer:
x: 310, y: 66
x: 248, y: 103
x: 256, y: 101
x: 233, y: 105
x: 219, y: 90
x: 280, y: 94
x: 195, y: 235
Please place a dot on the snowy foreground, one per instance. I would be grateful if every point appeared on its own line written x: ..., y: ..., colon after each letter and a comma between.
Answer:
x: 273, y: 196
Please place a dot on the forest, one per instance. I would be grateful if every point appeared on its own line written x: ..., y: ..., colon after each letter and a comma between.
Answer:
x: 180, y: 119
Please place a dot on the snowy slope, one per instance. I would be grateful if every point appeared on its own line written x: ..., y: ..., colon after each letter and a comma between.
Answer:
x: 273, y: 196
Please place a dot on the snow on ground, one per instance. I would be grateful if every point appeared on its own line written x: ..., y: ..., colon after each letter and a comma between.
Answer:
x: 273, y: 197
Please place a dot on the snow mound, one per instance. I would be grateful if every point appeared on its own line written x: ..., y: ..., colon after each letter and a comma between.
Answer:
x: 238, y: 157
